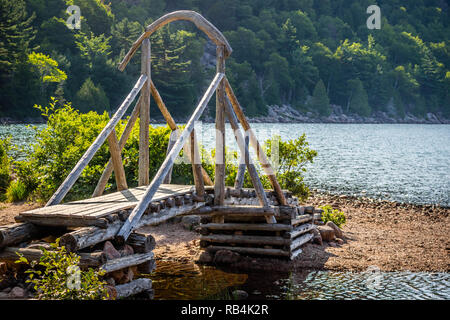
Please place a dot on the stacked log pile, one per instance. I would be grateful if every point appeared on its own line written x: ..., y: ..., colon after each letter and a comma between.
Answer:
x: 246, y: 231
x: 97, y: 245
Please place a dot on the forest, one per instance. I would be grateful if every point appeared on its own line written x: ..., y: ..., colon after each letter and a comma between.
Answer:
x: 303, y: 53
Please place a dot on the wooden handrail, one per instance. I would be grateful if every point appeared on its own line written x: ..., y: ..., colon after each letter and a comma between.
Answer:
x: 138, y: 211
x: 200, y: 22
x: 90, y: 152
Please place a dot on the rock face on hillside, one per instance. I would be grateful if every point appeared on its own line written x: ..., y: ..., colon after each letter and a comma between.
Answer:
x: 287, y: 114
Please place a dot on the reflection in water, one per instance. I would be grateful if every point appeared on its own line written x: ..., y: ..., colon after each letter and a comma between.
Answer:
x: 179, y: 280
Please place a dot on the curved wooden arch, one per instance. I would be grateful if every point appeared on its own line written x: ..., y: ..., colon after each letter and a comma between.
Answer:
x: 200, y: 22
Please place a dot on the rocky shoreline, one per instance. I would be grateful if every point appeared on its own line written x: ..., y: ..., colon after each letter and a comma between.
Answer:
x: 287, y: 114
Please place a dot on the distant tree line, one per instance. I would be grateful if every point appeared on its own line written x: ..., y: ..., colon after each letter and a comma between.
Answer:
x: 305, y: 53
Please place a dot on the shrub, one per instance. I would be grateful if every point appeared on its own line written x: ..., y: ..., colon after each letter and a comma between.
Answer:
x: 293, y: 155
x: 334, y: 215
x: 57, y: 276
x: 17, y: 191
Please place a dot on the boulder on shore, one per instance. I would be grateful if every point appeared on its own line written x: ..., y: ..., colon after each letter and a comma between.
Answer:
x: 337, y: 231
x: 327, y: 233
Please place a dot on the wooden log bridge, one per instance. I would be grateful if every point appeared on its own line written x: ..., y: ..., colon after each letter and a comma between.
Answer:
x: 103, y: 228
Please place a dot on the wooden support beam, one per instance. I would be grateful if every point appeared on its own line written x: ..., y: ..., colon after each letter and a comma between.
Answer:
x: 254, y: 142
x: 100, y: 188
x: 144, y: 117
x: 172, y: 140
x: 173, y: 126
x: 243, y: 146
x: 119, y: 171
x: 219, y: 178
x: 126, y: 261
x: 90, y: 152
x: 137, y: 212
x: 200, y: 22
x: 196, y: 166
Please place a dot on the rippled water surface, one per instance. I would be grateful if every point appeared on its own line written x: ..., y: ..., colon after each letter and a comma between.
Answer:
x: 175, y: 280
x: 406, y: 162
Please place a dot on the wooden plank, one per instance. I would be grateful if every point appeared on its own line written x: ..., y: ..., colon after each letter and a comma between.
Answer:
x: 90, y: 152
x: 304, y: 228
x: 255, y: 143
x: 100, y: 188
x: 200, y: 22
x: 111, y: 202
x: 116, y: 158
x: 301, y: 219
x: 66, y: 221
x: 240, y: 239
x: 144, y: 116
x: 219, y: 178
x: 196, y: 166
x: 168, y: 162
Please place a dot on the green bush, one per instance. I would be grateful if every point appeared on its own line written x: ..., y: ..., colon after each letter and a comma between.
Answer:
x: 293, y: 155
x: 17, y: 191
x: 57, y: 276
x: 334, y: 215
x: 5, y: 166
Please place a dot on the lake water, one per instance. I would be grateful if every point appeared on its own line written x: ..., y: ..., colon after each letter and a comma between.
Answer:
x: 188, y: 281
x: 400, y: 162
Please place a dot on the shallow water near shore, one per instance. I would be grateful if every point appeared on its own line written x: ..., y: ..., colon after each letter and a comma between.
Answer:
x: 398, y: 162
x: 175, y: 280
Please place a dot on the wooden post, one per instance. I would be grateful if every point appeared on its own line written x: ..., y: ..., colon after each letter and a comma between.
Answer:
x: 254, y: 142
x: 173, y: 126
x: 219, y: 178
x: 243, y: 146
x: 122, y: 141
x: 172, y: 140
x: 196, y: 167
x: 144, y: 117
x: 138, y: 211
x: 90, y: 152
x: 119, y: 172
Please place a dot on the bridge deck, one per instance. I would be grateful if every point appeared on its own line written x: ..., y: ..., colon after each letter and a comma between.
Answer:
x: 102, y: 206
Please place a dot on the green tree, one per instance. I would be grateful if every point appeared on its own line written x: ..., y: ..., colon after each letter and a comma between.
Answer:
x: 320, y: 102
x: 358, y: 101
x: 91, y: 97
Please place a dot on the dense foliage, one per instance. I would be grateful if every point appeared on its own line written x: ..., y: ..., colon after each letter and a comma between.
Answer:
x: 69, y: 133
x: 56, y: 276
x: 298, y: 52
